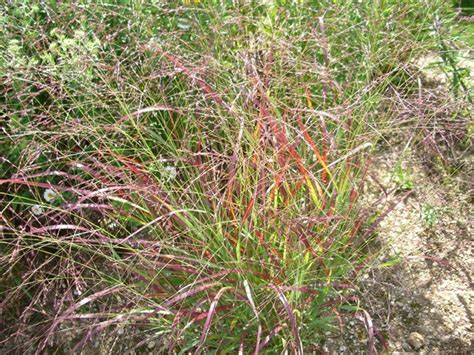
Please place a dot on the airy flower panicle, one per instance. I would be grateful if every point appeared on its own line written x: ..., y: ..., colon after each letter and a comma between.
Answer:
x: 169, y: 172
x: 37, y: 210
x: 50, y: 195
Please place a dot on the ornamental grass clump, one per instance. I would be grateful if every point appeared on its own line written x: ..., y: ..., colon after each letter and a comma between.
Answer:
x: 201, y: 165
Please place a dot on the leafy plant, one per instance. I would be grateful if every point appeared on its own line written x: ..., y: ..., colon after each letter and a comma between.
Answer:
x: 402, y: 177
x: 429, y: 215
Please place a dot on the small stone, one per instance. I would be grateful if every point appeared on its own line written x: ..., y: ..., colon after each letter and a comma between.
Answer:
x: 445, y: 339
x: 416, y: 340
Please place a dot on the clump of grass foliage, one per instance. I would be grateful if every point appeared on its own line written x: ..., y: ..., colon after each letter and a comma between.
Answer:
x: 192, y: 169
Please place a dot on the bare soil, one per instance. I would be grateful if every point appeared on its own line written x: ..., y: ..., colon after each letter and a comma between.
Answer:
x: 420, y: 292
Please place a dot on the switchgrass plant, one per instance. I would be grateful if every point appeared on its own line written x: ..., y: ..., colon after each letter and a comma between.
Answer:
x: 191, y: 170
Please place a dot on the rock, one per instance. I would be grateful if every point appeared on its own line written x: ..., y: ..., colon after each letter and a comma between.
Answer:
x: 416, y: 340
x: 445, y: 339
